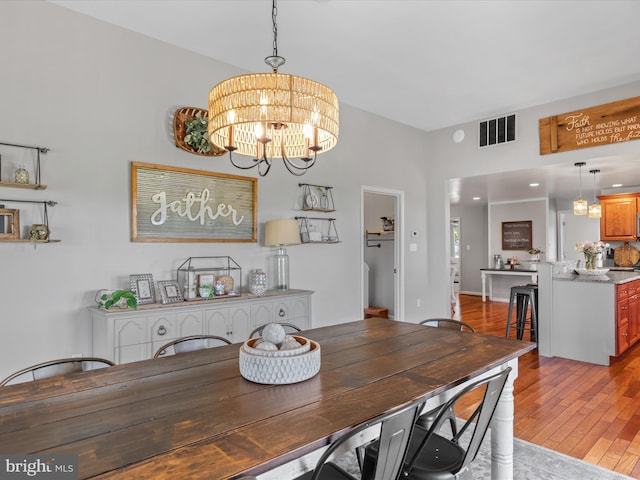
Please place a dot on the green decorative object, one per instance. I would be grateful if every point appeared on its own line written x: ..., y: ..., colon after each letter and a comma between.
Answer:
x: 196, y: 134
x: 118, y: 298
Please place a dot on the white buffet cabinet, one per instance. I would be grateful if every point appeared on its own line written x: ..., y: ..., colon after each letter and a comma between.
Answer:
x: 130, y: 335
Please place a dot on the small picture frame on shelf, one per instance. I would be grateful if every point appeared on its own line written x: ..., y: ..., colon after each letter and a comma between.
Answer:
x: 9, y: 224
x: 142, y: 287
x: 169, y: 292
x: 206, y: 280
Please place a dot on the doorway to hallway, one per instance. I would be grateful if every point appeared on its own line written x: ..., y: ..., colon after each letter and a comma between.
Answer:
x: 382, y: 255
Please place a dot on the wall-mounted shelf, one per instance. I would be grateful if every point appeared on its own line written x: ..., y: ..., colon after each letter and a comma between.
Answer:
x: 45, y: 216
x: 374, y: 238
x: 33, y: 186
x: 318, y: 230
x: 29, y: 186
x: 317, y: 198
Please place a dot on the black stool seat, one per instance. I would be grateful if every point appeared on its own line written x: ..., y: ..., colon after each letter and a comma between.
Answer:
x: 523, y: 296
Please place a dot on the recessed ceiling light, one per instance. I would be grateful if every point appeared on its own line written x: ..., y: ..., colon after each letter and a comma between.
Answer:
x: 476, y: 198
x: 616, y: 185
x: 534, y: 184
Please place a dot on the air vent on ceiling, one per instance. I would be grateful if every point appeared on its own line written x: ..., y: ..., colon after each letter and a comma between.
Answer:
x: 497, y: 130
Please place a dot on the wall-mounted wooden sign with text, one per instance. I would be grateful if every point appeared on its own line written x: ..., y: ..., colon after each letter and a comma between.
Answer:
x: 171, y: 204
x: 591, y: 127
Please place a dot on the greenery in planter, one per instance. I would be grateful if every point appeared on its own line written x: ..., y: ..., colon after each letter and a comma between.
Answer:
x: 118, y: 298
x: 196, y: 135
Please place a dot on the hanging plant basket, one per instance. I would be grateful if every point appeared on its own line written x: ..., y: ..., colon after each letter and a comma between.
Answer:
x: 187, y: 114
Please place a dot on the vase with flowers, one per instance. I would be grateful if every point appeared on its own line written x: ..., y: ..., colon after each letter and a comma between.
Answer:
x: 591, y: 250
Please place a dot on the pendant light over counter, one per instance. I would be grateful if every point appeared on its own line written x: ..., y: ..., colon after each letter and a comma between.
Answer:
x: 273, y: 115
x: 580, y: 205
x: 595, y: 210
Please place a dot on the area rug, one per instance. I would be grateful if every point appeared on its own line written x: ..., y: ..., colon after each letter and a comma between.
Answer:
x: 531, y: 462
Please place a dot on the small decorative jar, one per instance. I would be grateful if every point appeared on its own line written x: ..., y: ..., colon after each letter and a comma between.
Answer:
x: 22, y: 175
x: 258, y: 283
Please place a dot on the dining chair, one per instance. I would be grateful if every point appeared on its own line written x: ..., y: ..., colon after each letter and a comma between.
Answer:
x: 395, y: 432
x: 432, y: 456
x: 448, y: 323
x: 190, y: 343
x: 54, y: 368
x: 288, y: 328
x: 426, y: 419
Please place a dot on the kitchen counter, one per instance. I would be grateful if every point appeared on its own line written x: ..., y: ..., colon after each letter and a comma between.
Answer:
x: 612, y: 276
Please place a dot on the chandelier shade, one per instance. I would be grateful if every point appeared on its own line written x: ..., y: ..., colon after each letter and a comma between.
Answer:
x: 273, y: 115
x: 295, y: 113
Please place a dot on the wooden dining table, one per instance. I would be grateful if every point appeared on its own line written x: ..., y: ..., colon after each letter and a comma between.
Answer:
x: 193, y: 416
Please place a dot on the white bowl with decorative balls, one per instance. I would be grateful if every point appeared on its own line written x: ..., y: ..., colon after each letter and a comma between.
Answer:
x: 292, y: 360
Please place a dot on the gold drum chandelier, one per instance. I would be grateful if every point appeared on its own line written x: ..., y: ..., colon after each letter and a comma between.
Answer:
x: 273, y: 115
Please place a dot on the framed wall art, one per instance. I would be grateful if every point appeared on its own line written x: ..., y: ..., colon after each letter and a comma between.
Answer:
x: 9, y: 224
x: 142, y: 287
x: 171, y: 204
x: 516, y: 235
x: 169, y: 291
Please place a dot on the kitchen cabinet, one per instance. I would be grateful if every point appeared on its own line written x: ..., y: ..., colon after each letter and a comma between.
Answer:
x: 627, y: 315
x: 130, y: 335
x: 619, y: 217
x: 622, y: 318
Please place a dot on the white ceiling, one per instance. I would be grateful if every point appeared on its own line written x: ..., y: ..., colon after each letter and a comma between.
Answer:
x: 457, y: 61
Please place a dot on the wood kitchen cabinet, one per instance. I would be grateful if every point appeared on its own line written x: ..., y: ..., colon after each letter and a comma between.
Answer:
x: 619, y: 217
x: 130, y: 335
x: 627, y: 315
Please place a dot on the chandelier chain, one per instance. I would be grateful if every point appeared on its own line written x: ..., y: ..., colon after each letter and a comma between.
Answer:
x: 274, y: 15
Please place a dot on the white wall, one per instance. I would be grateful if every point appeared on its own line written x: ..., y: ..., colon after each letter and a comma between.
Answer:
x: 474, y: 239
x: 101, y: 97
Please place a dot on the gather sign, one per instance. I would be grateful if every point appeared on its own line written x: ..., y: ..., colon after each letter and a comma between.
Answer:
x: 591, y: 127
x: 172, y: 204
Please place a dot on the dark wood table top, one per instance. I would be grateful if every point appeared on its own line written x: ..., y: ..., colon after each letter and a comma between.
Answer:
x: 193, y: 415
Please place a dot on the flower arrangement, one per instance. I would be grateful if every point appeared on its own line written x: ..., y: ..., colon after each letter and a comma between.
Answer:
x: 590, y: 251
x: 591, y: 248
x: 535, y: 251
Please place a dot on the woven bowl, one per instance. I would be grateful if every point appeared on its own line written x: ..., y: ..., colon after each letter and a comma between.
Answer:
x: 280, y: 370
x: 305, y: 345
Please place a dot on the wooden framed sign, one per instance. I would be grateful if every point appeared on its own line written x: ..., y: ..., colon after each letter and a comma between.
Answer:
x: 171, y: 204
x: 516, y: 235
x: 590, y: 127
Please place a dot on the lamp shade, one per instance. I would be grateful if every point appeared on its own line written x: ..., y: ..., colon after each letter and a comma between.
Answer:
x: 281, y: 233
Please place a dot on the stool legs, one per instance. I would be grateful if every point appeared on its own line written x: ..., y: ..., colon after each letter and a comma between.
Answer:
x: 523, y: 297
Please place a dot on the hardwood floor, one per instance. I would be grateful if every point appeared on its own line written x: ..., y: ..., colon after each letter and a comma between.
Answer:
x: 585, y: 411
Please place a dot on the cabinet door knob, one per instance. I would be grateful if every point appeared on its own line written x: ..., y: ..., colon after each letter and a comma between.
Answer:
x: 162, y: 330
x: 281, y: 313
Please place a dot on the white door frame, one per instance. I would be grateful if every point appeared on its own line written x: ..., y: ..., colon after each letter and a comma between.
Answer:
x: 398, y: 248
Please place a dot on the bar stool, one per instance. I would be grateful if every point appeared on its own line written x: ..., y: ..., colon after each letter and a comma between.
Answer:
x: 522, y: 296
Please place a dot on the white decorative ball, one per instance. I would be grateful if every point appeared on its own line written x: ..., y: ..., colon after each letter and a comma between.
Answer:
x: 290, y: 344
x: 266, y: 346
x: 274, y: 333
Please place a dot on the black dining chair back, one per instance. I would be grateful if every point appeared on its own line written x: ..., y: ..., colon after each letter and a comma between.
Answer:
x: 288, y: 328
x: 448, y: 323
x: 54, y: 368
x: 434, y: 456
x: 190, y: 343
x: 395, y: 433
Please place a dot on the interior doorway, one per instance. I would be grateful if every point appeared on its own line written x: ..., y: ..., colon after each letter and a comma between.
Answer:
x: 382, y: 254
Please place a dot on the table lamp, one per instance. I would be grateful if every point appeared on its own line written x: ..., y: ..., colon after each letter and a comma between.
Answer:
x: 282, y: 233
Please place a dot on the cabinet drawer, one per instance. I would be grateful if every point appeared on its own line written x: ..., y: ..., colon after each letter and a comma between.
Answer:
x: 623, y: 291
x: 623, y: 339
x: 622, y: 313
x: 162, y: 328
